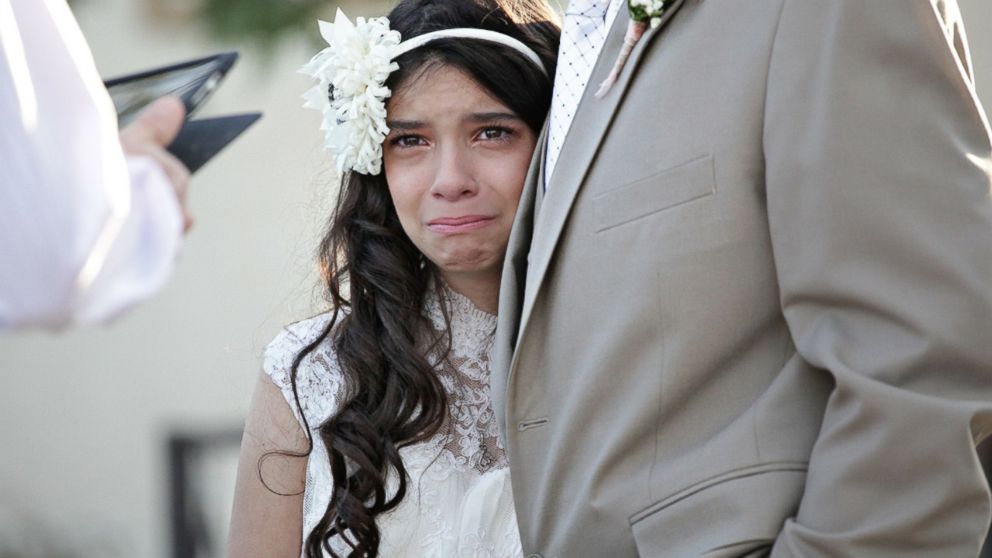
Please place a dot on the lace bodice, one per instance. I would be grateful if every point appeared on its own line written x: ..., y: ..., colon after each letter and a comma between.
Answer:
x: 459, y: 501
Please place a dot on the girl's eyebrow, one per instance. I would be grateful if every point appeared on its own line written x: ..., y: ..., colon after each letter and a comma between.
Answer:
x: 405, y: 124
x: 474, y: 117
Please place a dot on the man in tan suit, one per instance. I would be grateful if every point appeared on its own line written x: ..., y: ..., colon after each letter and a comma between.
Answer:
x: 749, y: 312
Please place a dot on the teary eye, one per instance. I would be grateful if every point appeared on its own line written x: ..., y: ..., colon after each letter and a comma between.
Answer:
x: 496, y: 133
x: 408, y: 140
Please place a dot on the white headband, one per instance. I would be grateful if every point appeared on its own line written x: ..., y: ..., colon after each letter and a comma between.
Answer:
x: 471, y: 33
x: 351, y: 74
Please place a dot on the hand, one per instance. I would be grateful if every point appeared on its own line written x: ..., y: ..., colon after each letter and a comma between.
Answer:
x: 150, y: 134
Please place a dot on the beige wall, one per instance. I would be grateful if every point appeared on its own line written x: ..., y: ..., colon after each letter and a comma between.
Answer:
x: 85, y: 413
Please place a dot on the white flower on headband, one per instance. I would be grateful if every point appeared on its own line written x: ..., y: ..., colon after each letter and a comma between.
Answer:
x: 350, y: 91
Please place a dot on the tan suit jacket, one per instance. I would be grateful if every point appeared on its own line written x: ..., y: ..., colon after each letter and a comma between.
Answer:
x: 753, y: 313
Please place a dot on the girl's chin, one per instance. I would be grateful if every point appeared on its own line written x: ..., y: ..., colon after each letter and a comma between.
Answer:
x: 470, y: 264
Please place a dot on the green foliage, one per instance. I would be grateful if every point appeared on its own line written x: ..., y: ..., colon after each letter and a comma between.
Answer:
x: 264, y: 22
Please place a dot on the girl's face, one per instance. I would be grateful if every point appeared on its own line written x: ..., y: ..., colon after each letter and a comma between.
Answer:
x: 455, y: 160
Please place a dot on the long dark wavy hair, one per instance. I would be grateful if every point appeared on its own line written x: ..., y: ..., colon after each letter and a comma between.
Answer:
x: 376, y: 280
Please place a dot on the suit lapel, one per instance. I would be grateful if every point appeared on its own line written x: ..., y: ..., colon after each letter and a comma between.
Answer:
x: 589, y: 126
x: 512, y: 283
x: 542, y: 168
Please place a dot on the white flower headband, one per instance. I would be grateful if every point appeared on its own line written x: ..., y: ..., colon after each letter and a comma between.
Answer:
x: 351, y: 74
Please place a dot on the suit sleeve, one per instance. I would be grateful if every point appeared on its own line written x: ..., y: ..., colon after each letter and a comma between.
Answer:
x: 878, y: 189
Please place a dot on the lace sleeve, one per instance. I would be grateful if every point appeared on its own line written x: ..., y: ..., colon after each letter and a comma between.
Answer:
x: 318, y: 380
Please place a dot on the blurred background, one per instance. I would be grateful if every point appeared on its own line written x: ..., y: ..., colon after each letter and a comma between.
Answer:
x: 122, y: 441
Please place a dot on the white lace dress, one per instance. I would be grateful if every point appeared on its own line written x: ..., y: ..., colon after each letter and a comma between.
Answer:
x: 458, y: 502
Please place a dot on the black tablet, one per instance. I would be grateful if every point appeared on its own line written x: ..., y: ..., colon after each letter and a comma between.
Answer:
x: 192, y: 81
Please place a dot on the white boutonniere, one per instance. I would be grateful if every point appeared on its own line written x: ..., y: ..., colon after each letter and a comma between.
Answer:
x: 643, y: 13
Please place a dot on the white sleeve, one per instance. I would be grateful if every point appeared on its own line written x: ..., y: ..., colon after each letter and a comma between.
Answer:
x: 85, y: 232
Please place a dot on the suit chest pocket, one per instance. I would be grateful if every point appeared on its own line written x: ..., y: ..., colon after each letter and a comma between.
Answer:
x: 654, y: 193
